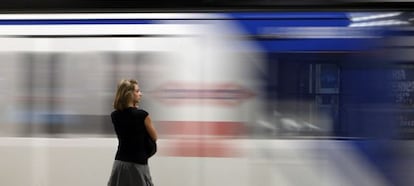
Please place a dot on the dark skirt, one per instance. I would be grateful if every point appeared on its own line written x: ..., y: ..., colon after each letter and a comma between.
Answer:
x: 129, y: 174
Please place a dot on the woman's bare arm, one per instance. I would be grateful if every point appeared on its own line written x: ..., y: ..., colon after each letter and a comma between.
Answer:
x: 150, y: 128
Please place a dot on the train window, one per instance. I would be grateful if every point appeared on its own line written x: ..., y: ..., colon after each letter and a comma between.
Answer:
x: 327, y: 78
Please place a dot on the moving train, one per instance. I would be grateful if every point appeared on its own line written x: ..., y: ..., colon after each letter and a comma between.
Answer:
x: 224, y: 89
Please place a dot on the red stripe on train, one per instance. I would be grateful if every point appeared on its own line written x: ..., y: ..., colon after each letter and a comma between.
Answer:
x: 201, y: 148
x: 201, y: 138
x: 217, y: 128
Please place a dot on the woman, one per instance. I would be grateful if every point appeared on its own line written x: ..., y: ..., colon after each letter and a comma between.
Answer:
x: 136, y: 138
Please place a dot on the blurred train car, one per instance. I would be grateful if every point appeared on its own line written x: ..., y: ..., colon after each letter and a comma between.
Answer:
x: 224, y: 90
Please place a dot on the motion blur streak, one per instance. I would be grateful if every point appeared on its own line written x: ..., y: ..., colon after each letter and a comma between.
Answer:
x: 289, y: 98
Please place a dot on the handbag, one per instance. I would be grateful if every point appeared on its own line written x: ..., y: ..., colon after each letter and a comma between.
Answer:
x: 151, y: 146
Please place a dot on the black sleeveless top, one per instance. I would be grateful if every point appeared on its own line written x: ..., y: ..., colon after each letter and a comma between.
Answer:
x: 132, y: 135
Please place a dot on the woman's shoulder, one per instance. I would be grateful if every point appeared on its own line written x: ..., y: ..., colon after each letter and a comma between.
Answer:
x: 141, y: 111
x: 114, y: 112
x: 133, y: 110
x: 123, y: 111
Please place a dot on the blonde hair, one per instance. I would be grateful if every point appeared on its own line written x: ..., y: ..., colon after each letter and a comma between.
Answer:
x: 124, y: 93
